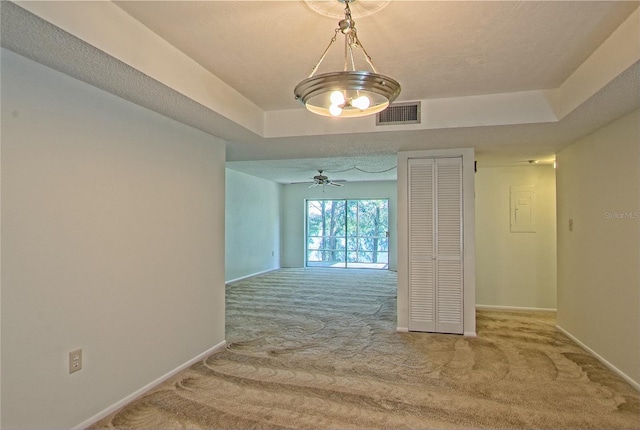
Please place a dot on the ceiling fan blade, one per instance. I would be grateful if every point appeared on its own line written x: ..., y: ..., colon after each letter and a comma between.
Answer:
x: 335, y: 184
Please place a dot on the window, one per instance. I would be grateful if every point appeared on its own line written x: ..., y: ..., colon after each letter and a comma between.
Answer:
x: 347, y: 233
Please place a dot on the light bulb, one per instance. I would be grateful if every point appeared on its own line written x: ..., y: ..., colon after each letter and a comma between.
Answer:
x: 337, y: 98
x: 335, y: 110
x: 361, y: 103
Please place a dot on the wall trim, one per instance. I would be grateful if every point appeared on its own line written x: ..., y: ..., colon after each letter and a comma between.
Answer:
x: 251, y: 275
x: 513, y: 308
x: 601, y: 359
x: 149, y: 386
x: 402, y: 329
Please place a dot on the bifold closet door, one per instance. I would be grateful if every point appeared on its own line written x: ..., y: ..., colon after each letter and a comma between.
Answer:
x: 435, y: 245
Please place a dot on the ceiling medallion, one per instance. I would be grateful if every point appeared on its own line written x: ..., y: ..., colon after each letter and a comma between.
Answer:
x: 335, y: 9
x: 348, y: 93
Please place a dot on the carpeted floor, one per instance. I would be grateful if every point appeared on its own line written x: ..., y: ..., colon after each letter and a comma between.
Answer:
x: 318, y: 349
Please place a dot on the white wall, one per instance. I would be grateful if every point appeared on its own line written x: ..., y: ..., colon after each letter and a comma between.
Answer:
x: 515, y: 269
x: 293, y: 214
x: 112, y: 241
x: 598, y: 187
x: 252, y: 219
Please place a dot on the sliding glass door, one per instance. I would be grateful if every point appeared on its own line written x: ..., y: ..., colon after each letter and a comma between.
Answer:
x: 347, y: 233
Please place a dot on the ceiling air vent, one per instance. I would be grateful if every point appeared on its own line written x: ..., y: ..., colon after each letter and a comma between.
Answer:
x: 399, y: 113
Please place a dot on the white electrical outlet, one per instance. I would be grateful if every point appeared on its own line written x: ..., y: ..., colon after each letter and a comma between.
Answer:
x: 75, y: 360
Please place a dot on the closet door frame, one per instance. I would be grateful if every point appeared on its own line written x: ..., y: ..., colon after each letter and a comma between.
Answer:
x: 468, y: 234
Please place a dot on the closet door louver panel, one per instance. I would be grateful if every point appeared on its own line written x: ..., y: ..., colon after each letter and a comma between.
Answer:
x: 422, y: 303
x: 449, y: 294
x: 449, y: 204
x: 421, y: 245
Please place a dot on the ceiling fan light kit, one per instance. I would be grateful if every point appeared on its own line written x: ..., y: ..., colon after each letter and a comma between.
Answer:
x: 348, y: 93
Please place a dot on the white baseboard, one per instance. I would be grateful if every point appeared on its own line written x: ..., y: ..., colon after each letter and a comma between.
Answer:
x: 149, y: 386
x: 251, y: 275
x: 513, y: 308
x: 466, y: 333
x: 601, y: 359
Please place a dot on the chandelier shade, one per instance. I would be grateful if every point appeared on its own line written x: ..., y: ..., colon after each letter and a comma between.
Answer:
x: 317, y: 91
x: 349, y: 93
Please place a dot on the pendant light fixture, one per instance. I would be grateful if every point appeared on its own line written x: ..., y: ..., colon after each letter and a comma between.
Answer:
x: 349, y: 93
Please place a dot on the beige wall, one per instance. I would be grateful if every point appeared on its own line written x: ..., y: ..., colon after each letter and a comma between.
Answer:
x: 515, y: 269
x: 112, y: 241
x: 598, y: 180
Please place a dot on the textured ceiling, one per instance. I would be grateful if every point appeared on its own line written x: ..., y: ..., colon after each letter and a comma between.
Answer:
x: 435, y: 49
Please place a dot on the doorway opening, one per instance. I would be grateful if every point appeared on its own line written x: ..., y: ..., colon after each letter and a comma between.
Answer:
x: 347, y: 233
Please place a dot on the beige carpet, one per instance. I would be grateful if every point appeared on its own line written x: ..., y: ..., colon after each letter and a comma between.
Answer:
x: 318, y: 349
